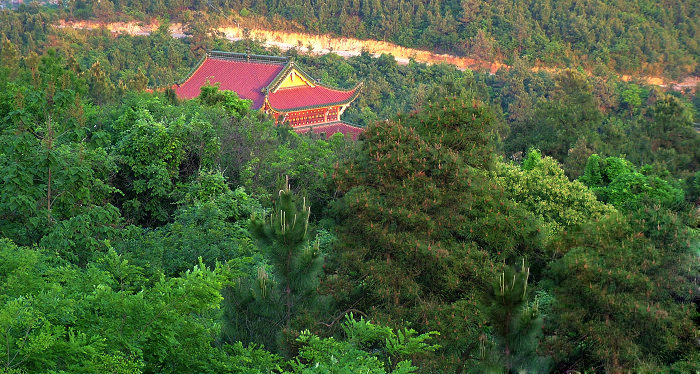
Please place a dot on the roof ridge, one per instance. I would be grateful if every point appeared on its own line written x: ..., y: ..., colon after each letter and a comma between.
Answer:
x: 274, y: 84
x: 357, y: 86
x: 192, y: 72
x: 321, y: 85
x: 247, y: 57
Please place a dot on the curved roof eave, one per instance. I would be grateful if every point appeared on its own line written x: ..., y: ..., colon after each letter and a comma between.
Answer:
x: 355, y: 93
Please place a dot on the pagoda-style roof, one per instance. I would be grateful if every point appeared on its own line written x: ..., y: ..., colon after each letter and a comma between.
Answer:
x: 272, y: 79
x: 277, y: 86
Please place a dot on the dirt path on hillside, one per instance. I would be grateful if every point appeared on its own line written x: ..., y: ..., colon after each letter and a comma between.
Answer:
x: 345, y: 47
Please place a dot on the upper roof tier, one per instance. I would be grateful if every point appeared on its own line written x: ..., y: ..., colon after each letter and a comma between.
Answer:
x: 247, y: 77
x: 256, y: 77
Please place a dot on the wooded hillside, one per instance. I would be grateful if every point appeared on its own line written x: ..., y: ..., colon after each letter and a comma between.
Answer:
x: 628, y: 36
x: 507, y: 223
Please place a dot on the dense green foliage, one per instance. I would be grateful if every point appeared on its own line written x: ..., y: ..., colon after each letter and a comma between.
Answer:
x: 57, y: 317
x: 625, y: 36
x: 124, y: 212
x: 390, y: 349
x: 541, y: 187
x: 144, y: 234
x: 616, y: 182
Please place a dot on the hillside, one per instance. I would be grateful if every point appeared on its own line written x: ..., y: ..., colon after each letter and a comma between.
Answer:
x: 626, y: 36
x: 346, y: 47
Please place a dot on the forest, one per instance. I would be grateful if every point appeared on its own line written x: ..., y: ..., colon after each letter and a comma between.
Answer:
x: 624, y: 36
x: 520, y: 222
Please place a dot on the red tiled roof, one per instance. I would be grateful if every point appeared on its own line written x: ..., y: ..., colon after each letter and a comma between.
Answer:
x: 348, y: 130
x: 287, y: 99
x: 247, y: 79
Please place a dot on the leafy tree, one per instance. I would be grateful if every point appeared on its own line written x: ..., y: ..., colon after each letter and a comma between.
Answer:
x: 159, y: 148
x: 229, y: 100
x: 84, y: 237
x: 51, y: 171
x: 9, y: 60
x: 308, y: 162
x: 212, y: 229
x: 107, y: 316
x: 616, y: 181
x: 623, y: 291
x: 559, y: 123
x: 255, y: 152
x: 101, y: 87
x: 674, y: 140
x: 631, y: 98
x: 540, y: 186
x: 368, y: 348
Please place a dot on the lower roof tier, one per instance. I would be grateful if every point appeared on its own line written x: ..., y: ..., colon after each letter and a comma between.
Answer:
x: 331, y: 128
x: 297, y: 98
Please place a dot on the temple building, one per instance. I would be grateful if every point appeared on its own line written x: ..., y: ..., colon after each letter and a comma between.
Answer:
x: 277, y: 86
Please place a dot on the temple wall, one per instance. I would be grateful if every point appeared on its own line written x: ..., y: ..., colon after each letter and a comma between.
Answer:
x: 310, y: 117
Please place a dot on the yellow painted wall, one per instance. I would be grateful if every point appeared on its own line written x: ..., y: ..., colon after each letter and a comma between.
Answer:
x: 294, y: 79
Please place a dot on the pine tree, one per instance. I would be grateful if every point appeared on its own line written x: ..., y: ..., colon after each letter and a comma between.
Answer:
x: 274, y: 302
x: 422, y: 227
x: 9, y: 60
x: 624, y: 294
x: 101, y: 87
x: 516, y: 326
